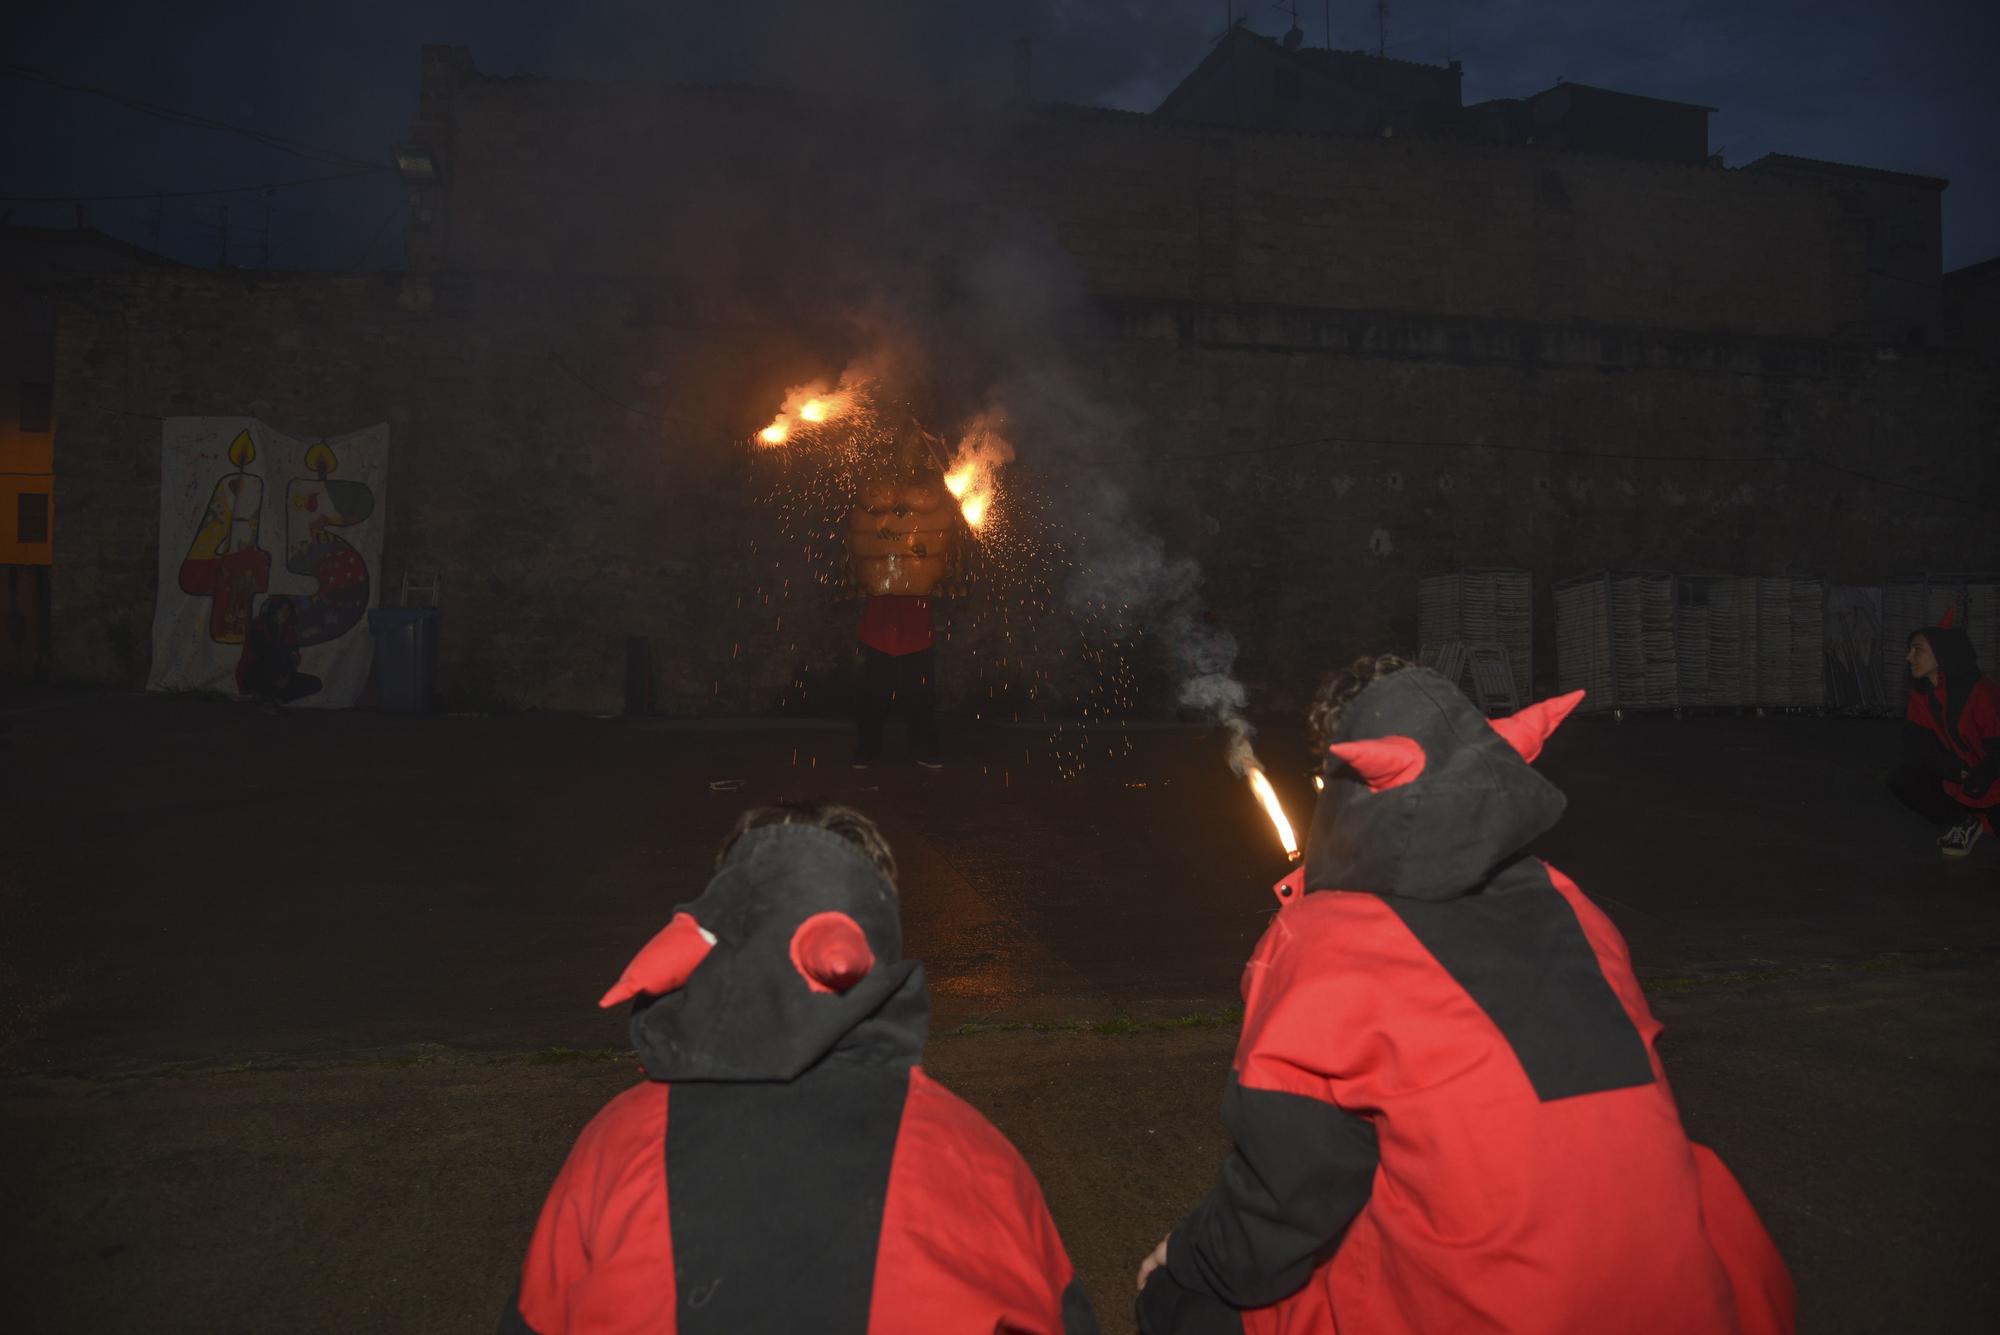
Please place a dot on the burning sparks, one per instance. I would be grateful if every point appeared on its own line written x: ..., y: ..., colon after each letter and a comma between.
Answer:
x: 810, y: 404
x: 975, y: 468
x: 1267, y: 797
x: 1066, y: 665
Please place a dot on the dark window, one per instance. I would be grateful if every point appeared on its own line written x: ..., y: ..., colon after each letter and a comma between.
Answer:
x: 37, y: 402
x: 31, y: 516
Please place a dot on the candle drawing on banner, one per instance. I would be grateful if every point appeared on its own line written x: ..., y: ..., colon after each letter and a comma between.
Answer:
x: 225, y: 562
x: 315, y: 506
x: 269, y: 556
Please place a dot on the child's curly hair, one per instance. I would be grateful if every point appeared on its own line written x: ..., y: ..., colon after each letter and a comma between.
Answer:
x: 844, y: 821
x: 1330, y: 702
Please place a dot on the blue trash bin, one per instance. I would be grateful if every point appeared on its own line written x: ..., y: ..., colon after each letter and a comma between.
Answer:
x: 405, y: 657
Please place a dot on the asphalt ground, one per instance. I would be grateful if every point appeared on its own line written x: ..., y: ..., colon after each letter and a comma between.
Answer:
x: 296, y: 1013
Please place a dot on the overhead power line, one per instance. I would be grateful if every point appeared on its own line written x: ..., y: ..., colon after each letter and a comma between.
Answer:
x: 193, y: 194
x: 333, y: 157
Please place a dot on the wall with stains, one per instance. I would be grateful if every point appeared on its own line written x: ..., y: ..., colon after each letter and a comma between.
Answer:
x: 757, y: 193
x: 566, y: 456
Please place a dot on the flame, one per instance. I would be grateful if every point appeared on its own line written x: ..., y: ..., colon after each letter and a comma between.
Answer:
x: 1268, y: 798
x: 973, y: 476
x: 811, y: 404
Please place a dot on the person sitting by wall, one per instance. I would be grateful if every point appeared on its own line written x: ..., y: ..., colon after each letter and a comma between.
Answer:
x: 1951, y: 738
x: 1447, y: 1106
x: 269, y: 667
x: 787, y: 1165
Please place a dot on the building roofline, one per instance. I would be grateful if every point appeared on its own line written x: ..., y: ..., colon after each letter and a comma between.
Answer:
x: 1307, y: 58
x: 1620, y: 92
x: 1978, y: 269
x: 1822, y: 167
x: 88, y: 236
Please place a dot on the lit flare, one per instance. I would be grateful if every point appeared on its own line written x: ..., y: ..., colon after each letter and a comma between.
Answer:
x: 1267, y: 797
x: 974, y: 475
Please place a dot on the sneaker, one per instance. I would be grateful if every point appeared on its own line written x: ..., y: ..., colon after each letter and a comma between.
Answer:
x: 1959, y: 839
x: 931, y: 764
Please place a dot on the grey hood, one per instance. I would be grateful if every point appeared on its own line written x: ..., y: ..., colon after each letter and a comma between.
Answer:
x: 1474, y: 805
x: 746, y: 1012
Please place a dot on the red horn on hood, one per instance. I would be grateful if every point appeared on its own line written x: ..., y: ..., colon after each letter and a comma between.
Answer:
x: 1527, y: 730
x: 1382, y: 762
x: 831, y: 952
x: 664, y: 963
x: 1950, y: 615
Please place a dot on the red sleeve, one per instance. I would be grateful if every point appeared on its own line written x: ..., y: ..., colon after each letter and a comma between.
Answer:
x: 967, y: 1241
x: 1981, y: 721
x: 602, y: 1255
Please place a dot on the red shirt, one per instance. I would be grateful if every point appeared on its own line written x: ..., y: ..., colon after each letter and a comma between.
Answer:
x: 897, y: 624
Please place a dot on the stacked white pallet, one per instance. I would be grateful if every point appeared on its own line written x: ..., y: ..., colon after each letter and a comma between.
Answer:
x: 1583, y: 640
x: 1715, y: 656
x: 1482, y: 604
x: 1774, y: 641
x: 1615, y: 639
x: 1807, y: 683
x: 1693, y: 646
x: 1905, y: 607
x: 1732, y: 648
x: 1659, y: 672
x: 1982, y: 621
x: 1437, y: 609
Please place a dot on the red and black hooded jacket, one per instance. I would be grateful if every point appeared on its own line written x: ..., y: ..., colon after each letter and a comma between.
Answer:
x: 1953, y: 728
x: 1447, y: 1108
x: 788, y: 1166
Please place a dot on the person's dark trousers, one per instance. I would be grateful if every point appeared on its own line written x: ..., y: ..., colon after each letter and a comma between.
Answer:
x: 1918, y: 787
x: 902, y: 683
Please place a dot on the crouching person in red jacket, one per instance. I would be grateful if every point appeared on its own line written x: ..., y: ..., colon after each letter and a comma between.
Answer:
x: 1447, y: 1109
x: 788, y: 1166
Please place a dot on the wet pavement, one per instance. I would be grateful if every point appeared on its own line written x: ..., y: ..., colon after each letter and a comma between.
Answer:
x: 192, y: 880
x: 296, y: 1012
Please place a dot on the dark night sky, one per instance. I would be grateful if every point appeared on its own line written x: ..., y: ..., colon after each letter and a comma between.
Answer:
x: 1904, y: 86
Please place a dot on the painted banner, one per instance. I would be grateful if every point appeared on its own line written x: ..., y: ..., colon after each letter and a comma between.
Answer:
x: 251, y: 520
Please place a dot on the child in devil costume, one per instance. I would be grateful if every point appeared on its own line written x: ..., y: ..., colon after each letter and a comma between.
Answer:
x: 788, y: 1166
x: 1951, y: 738
x: 1447, y: 1108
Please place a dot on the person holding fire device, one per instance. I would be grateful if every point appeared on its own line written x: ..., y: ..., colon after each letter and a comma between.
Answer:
x: 787, y: 1165
x: 1447, y: 1107
x: 901, y: 535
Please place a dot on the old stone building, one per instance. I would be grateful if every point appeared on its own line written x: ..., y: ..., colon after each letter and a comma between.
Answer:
x: 36, y: 265
x: 1329, y: 362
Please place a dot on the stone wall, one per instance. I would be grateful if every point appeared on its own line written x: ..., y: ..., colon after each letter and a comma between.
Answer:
x: 742, y: 188
x: 566, y: 454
